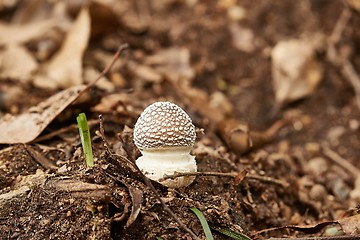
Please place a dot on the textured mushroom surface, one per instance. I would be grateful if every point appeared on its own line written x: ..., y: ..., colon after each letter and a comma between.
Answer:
x: 164, y: 125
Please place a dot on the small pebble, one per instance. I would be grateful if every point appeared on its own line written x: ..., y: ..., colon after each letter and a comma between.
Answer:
x: 340, y: 189
x: 312, y: 147
x: 334, y: 135
x: 236, y: 13
x: 354, y: 124
x: 318, y: 166
x: 62, y: 169
x: 317, y: 192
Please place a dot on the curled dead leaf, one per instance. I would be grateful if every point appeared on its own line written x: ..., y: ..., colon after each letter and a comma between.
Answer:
x: 27, y: 126
x: 12, y: 34
x: 173, y: 63
x: 241, y: 139
x: 295, y: 70
x: 65, y: 68
x: 17, y: 63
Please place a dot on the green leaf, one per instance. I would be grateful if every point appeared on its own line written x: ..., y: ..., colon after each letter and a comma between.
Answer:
x: 85, y: 139
x: 204, y: 223
x: 159, y: 238
x: 231, y: 233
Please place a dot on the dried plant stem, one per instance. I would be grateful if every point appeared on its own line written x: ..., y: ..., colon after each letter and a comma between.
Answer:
x: 355, y: 172
x: 347, y: 67
x: 168, y: 210
x: 118, y: 53
x: 340, y: 26
x: 40, y: 159
x: 230, y: 174
x: 350, y: 73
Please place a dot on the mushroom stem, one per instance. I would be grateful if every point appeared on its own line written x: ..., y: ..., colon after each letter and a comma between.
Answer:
x: 156, y: 164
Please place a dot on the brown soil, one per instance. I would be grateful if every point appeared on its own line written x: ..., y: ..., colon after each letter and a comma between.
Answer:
x: 48, y: 193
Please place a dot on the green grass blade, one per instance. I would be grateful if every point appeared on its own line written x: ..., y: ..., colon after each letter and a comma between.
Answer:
x: 204, y: 223
x: 232, y: 234
x: 85, y: 139
x: 159, y: 238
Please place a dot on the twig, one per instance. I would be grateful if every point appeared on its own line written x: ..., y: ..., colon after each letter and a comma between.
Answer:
x: 102, y: 134
x: 268, y: 180
x: 340, y: 26
x: 40, y: 159
x: 350, y: 73
x: 340, y: 161
x: 119, y: 51
x: 168, y: 210
x: 230, y: 174
x: 347, y: 68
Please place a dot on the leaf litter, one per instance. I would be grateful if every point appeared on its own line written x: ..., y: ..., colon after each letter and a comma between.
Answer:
x: 247, y: 157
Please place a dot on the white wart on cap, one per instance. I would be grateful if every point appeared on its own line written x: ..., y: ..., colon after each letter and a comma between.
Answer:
x: 165, y: 135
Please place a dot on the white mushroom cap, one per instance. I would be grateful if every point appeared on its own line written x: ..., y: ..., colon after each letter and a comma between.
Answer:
x: 164, y: 133
x: 164, y: 125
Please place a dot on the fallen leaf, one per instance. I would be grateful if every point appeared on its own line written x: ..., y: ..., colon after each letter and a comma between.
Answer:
x: 242, y: 38
x: 355, y: 193
x: 65, y: 68
x: 355, y: 4
x: 146, y: 73
x: 295, y: 70
x: 173, y: 63
x: 27, y: 126
x: 136, y: 199
x: 11, y: 34
x: 241, y: 139
x: 17, y: 63
x: 350, y: 225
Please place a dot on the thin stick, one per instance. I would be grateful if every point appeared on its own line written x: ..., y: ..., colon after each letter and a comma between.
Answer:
x: 230, y: 174
x: 119, y: 51
x: 167, y: 209
x: 40, y: 159
x: 340, y: 161
x: 102, y: 134
x: 350, y: 73
x: 268, y: 180
x: 340, y: 26
x: 347, y: 67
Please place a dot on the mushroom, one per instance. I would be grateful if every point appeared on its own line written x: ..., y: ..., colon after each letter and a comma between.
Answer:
x: 165, y: 135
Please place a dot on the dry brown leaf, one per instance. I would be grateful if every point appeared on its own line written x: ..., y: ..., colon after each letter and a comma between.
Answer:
x: 65, y: 68
x: 355, y: 4
x: 173, y: 63
x: 350, y: 225
x: 27, y: 126
x: 111, y: 103
x: 136, y: 199
x: 295, y: 70
x: 241, y: 139
x: 355, y: 193
x: 12, y: 34
x: 17, y: 63
x: 146, y: 73
x: 242, y: 38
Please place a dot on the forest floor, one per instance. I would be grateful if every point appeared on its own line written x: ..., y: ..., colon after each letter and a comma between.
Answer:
x: 277, y: 143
